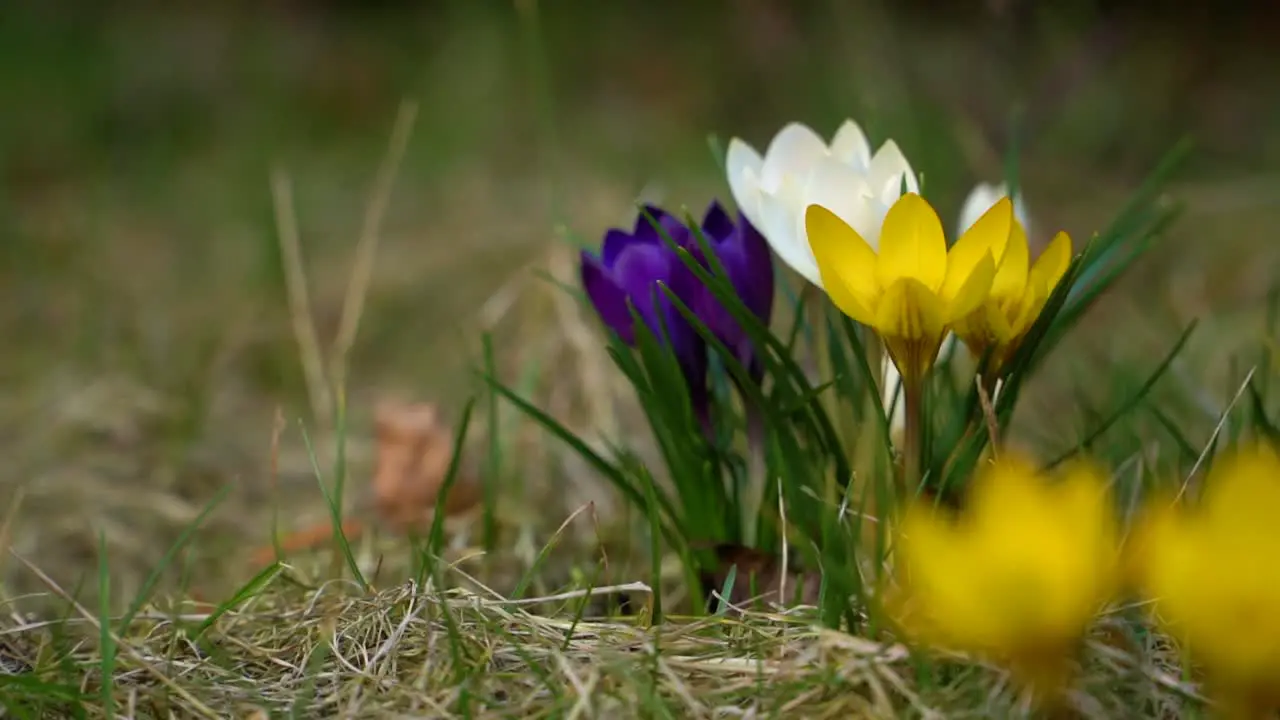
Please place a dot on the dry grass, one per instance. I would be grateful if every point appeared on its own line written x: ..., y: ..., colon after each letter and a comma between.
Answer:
x: 414, y: 649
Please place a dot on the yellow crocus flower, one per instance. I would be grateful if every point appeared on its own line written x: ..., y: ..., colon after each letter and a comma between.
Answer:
x: 1017, y: 576
x: 1213, y: 575
x: 1018, y: 293
x: 913, y: 288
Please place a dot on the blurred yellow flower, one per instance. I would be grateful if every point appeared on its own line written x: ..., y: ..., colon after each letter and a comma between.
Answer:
x: 1018, y: 293
x: 1214, y: 579
x: 1017, y: 576
x: 913, y: 288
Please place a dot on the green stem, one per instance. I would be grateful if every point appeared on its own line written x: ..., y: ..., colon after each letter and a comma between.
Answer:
x: 913, y: 419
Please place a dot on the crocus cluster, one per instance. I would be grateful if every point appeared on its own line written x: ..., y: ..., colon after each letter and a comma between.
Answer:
x: 633, y: 266
x: 851, y: 222
x: 1020, y: 572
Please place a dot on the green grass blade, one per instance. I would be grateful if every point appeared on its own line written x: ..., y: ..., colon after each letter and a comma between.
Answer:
x: 493, y: 463
x: 1132, y: 401
x: 106, y: 638
x: 248, y: 591
x: 335, y: 514
x: 436, y: 541
x: 153, y: 578
x: 610, y: 472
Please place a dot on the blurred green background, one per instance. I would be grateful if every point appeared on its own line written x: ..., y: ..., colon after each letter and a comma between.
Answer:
x: 148, y: 334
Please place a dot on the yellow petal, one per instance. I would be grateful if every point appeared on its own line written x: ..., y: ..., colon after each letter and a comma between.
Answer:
x: 988, y: 236
x: 1155, y: 522
x: 940, y: 603
x: 1002, y: 490
x: 1083, y: 500
x: 909, y: 311
x: 988, y: 326
x: 1011, y: 277
x: 1052, y: 264
x: 1244, y: 489
x: 911, y: 322
x: 1023, y: 313
x: 912, y: 245
x: 846, y: 263
x: 970, y: 295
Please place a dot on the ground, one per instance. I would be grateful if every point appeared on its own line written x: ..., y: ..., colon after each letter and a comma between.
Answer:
x: 153, y: 343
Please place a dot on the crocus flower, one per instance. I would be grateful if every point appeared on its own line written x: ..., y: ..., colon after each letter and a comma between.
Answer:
x: 1019, y: 290
x: 627, y: 274
x: 1210, y: 570
x: 1017, y: 575
x: 632, y: 264
x: 799, y: 169
x: 744, y: 256
x: 913, y: 288
x: 1018, y: 294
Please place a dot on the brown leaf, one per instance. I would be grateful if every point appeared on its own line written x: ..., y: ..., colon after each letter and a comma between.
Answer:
x: 413, y: 457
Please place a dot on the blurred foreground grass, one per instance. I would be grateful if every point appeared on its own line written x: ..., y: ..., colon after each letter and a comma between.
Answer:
x: 150, y: 339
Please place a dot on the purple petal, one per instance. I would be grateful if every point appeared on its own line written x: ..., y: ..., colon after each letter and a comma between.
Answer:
x: 717, y: 225
x: 644, y: 226
x: 757, y: 283
x: 638, y: 271
x: 669, y: 224
x: 615, y: 243
x: 609, y: 300
x: 642, y: 222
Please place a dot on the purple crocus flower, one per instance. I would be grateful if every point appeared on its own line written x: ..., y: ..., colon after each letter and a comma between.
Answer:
x: 627, y: 273
x: 631, y: 264
x: 744, y: 255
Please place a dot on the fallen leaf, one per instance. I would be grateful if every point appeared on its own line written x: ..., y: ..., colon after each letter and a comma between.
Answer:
x: 414, y: 454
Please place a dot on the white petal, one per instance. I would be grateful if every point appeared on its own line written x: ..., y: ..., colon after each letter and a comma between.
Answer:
x: 980, y: 200
x: 875, y: 211
x: 889, y: 164
x: 850, y: 146
x: 887, y: 190
x: 1020, y: 212
x: 742, y: 165
x: 780, y: 225
x: 844, y: 191
x: 792, y: 151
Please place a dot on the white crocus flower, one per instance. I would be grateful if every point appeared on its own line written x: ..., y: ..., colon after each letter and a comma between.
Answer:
x: 799, y: 169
